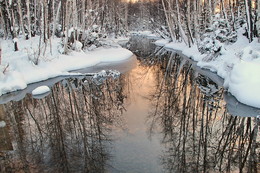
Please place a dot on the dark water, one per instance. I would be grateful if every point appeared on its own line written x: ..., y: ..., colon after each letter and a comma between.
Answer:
x: 164, y: 115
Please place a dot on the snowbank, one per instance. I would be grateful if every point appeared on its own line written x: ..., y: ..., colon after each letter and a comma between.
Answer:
x: 28, y: 65
x: 147, y: 33
x: 238, y: 64
x: 2, y: 124
x: 40, y: 90
x: 162, y: 42
x: 244, y: 83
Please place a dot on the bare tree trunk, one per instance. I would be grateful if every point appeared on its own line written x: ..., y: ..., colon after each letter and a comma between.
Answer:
x: 178, y: 21
x: 0, y: 53
x: 126, y: 16
x: 55, y: 18
x: 29, y: 18
x: 8, y: 24
x: 249, y: 20
x: 66, y: 23
x: 21, y: 17
x: 168, y: 20
x: 2, y: 23
x: 258, y: 20
x: 224, y: 9
x: 195, y: 14
x: 188, y: 15
x: 75, y: 19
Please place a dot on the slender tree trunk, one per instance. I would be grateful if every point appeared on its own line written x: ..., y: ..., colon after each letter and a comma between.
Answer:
x: 188, y: 14
x: 3, y: 23
x: 8, y: 27
x: 178, y: 21
x: 168, y: 20
x: 126, y: 16
x: 196, y: 22
x: 56, y: 18
x: 224, y: 9
x: 21, y: 17
x: 0, y: 53
x: 29, y: 18
x: 249, y: 21
x: 258, y: 20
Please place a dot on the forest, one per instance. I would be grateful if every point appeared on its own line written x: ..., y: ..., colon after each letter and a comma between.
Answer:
x: 82, y: 20
x: 206, y: 29
x: 189, y: 78
x: 182, y: 20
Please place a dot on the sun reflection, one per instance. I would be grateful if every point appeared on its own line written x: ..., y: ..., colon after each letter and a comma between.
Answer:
x: 217, y: 9
x: 131, y: 1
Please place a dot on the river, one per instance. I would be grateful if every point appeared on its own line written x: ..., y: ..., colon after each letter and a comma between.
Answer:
x: 163, y: 114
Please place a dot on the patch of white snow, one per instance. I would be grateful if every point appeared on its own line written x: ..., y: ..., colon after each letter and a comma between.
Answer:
x: 40, y: 90
x: 243, y: 82
x: 2, y: 124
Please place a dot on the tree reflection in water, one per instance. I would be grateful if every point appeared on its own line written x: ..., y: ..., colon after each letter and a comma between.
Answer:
x: 199, y: 135
x: 68, y: 131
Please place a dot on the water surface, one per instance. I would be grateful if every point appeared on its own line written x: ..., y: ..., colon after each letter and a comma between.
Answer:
x: 164, y: 115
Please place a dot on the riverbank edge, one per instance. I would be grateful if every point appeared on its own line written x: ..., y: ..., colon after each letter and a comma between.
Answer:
x: 17, y: 69
x: 233, y: 77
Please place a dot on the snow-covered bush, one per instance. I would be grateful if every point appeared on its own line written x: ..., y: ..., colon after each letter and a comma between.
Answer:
x: 210, y: 45
x: 93, y: 36
x: 88, y: 40
x: 249, y: 54
x: 207, y: 86
x: 57, y: 29
x: 76, y: 39
x: 101, y: 76
x: 33, y: 55
x: 216, y: 36
x: 77, y: 46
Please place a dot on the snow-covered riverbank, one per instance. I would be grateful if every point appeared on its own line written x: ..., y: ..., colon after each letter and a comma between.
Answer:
x: 238, y: 64
x: 29, y: 65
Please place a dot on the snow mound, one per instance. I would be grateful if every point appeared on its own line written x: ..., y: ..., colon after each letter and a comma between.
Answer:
x: 40, y: 90
x: 238, y: 64
x: 11, y: 81
x: 26, y: 67
x: 2, y: 124
x: 243, y: 82
x: 161, y: 42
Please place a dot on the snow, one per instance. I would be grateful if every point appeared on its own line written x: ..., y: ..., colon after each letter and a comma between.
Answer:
x: 238, y: 109
x: 238, y: 64
x: 2, y: 124
x: 15, y: 40
x: 77, y: 46
x: 146, y: 33
x: 40, y: 90
x: 30, y: 65
x: 161, y: 42
x: 244, y: 83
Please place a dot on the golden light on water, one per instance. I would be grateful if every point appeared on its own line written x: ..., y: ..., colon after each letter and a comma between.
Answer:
x: 131, y: 1
x: 217, y: 9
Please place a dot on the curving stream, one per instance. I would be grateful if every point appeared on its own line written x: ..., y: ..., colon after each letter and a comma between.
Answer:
x: 162, y: 115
